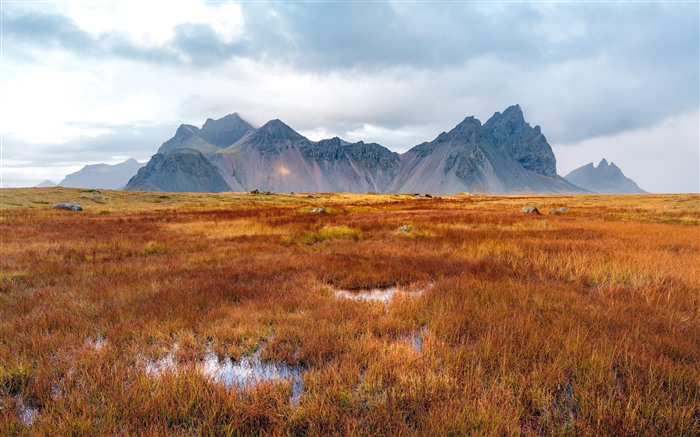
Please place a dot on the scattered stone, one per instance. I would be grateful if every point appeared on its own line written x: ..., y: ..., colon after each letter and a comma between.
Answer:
x: 429, y: 196
x: 68, y: 206
x: 530, y: 210
x: 255, y: 191
x: 318, y: 210
x: 404, y: 228
x: 561, y: 210
x: 311, y: 196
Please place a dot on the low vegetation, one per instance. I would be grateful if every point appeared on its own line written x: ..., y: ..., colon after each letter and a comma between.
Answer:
x: 586, y: 323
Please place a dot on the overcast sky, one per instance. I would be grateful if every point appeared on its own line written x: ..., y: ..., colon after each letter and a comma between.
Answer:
x: 90, y: 82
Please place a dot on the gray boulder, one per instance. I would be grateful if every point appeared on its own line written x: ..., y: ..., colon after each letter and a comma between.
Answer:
x: 530, y: 210
x: 318, y: 210
x: 68, y: 206
x: 560, y: 210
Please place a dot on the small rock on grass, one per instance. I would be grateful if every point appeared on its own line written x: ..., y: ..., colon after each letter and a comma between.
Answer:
x: 560, y: 210
x: 318, y: 210
x: 68, y: 206
x: 530, y: 210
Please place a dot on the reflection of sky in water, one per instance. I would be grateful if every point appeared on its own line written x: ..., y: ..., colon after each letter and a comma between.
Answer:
x: 250, y: 371
x: 416, y: 339
x: 26, y: 413
x: 97, y: 342
x: 378, y: 294
x: 244, y: 374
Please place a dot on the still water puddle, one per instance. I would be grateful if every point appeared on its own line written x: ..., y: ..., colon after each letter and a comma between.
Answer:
x: 27, y: 413
x: 416, y: 339
x: 378, y: 294
x: 98, y: 342
x: 251, y: 371
x: 244, y: 374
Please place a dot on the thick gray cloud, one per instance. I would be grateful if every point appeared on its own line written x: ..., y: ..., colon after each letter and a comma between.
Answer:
x: 581, y: 70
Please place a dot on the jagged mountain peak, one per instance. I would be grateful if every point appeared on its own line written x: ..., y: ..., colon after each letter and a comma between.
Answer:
x: 468, y: 124
x: 213, y: 135
x: 277, y: 130
x: 224, y: 131
x: 515, y: 113
x: 335, y: 141
x: 605, y: 178
x: 510, y: 133
x: 503, y: 155
x: 230, y: 120
x: 468, y: 130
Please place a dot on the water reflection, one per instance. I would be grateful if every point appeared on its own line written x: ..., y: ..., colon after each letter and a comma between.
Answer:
x: 378, y: 294
x: 244, y: 374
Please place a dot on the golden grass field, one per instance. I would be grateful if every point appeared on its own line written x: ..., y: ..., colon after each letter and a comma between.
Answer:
x: 586, y: 323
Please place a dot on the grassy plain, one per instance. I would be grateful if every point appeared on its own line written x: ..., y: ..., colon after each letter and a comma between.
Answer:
x: 586, y: 323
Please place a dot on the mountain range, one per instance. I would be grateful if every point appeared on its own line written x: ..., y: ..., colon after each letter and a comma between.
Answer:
x: 606, y: 178
x: 504, y: 155
x: 110, y: 177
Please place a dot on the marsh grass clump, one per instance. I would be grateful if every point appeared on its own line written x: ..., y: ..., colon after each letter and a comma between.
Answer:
x: 130, y: 319
x: 328, y: 232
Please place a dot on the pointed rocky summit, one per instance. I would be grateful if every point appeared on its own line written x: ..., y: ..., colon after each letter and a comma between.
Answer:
x: 510, y: 133
x: 606, y: 178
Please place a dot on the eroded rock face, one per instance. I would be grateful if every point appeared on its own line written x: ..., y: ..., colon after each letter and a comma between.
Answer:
x: 466, y: 159
x: 504, y: 156
x: 213, y: 135
x: 178, y: 170
x: 511, y: 134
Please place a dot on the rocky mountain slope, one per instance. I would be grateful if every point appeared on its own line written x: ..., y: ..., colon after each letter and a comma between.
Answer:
x: 505, y: 155
x: 111, y: 177
x: 467, y: 159
x: 605, y: 178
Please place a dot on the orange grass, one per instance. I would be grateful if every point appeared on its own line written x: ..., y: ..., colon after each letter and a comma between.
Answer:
x: 585, y: 324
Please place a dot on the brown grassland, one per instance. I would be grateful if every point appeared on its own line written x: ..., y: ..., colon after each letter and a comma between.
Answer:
x: 586, y: 323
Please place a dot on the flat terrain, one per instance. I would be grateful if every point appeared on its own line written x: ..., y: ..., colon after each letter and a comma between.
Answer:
x: 149, y: 313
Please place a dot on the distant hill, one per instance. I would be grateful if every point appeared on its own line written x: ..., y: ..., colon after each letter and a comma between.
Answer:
x: 605, y: 178
x: 506, y: 155
x: 46, y: 183
x: 111, y: 177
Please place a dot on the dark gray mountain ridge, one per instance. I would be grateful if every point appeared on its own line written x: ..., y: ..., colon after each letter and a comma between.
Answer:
x: 178, y: 170
x: 505, y: 155
x: 606, y: 178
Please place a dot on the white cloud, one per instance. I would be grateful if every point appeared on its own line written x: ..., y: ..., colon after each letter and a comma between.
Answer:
x: 151, y: 22
x: 663, y: 158
x: 398, y: 77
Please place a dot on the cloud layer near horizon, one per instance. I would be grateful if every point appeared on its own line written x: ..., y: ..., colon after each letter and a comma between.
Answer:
x: 87, y: 83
